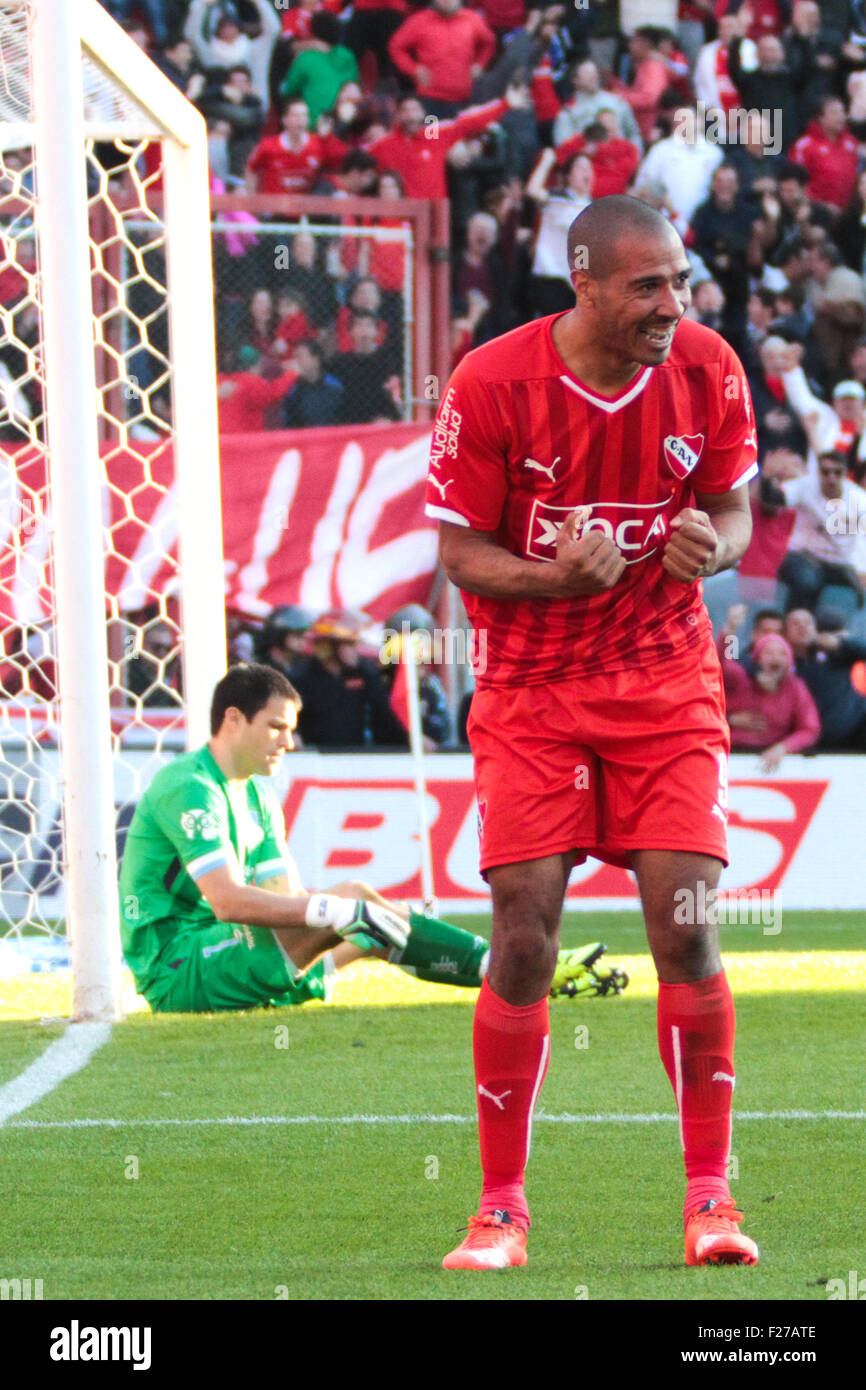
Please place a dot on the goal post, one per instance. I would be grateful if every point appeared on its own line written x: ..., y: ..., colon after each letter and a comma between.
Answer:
x: 72, y: 77
x: 186, y: 218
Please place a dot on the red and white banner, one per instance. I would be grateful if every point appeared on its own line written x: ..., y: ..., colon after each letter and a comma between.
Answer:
x: 325, y: 517
x: 795, y: 835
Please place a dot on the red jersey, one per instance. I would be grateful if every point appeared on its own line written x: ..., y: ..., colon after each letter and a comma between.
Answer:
x: 614, y: 162
x: 831, y: 164
x: 297, y: 22
x: 519, y: 442
x: 290, y: 331
x: 419, y: 159
x: 283, y: 170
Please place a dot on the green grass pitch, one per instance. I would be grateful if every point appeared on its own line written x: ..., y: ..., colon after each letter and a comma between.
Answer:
x: 330, y: 1152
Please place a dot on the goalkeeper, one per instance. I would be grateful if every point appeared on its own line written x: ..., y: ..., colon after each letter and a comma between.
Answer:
x: 213, y: 914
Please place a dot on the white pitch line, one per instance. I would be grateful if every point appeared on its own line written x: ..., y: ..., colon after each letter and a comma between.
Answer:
x: 599, y: 1119
x: 63, y: 1058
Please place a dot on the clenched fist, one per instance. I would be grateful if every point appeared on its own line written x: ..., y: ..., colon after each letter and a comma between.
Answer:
x: 691, y: 551
x: 589, y: 563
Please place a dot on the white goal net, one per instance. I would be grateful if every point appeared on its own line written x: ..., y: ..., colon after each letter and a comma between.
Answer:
x: 111, y: 586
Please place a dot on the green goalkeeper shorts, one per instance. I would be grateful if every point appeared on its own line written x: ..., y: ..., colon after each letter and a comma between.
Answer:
x: 229, y: 967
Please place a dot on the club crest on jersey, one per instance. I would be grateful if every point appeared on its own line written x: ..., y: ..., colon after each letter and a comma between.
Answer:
x: 200, y: 825
x: 637, y: 528
x: 683, y: 453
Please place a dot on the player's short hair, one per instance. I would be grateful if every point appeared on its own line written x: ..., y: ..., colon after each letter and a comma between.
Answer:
x: 600, y: 227
x: 249, y: 688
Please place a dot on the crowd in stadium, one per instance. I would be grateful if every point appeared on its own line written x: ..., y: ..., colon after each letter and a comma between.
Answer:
x: 744, y: 122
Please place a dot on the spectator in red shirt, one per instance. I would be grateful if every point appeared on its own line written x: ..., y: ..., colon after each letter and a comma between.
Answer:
x: 503, y: 16
x: 365, y: 296
x: 828, y: 152
x: 293, y: 326
x: 650, y: 79
x: 243, y: 397
x: 387, y: 261
x: 418, y: 146
x: 613, y: 159
x: 443, y: 49
x: 298, y: 20
x: 765, y: 16
x: 292, y: 162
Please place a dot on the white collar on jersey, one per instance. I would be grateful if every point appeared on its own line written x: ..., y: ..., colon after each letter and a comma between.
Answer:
x: 602, y: 401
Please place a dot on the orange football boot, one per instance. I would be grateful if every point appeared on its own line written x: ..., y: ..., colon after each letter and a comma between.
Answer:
x: 712, y: 1237
x: 493, y: 1242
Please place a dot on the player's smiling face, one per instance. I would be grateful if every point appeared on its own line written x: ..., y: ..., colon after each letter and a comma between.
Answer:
x: 640, y: 303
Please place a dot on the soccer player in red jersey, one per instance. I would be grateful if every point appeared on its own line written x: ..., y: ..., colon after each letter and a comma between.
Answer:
x: 587, y: 469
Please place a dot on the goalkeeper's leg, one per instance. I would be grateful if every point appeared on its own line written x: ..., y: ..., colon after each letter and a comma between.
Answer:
x: 443, y: 954
x: 436, y: 951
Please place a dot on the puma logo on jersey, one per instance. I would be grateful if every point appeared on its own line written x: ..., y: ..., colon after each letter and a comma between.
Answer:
x: 723, y: 1076
x: 683, y: 453
x: 434, y: 482
x: 547, y: 468
x: 498, y: 1101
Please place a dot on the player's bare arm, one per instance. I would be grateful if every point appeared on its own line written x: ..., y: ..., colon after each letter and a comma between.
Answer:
x: 307, y: 924
x: 709, y: 538
x: 584, y: 564
x: 232, y: 901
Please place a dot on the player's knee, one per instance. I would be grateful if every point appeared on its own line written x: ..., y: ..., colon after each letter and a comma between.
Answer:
x: 526, y: 954
x: 519, y: 911
x: 688, y: 950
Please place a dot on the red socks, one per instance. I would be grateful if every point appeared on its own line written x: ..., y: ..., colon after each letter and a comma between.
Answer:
x: 696, y: 1043
x: 511, y: 1045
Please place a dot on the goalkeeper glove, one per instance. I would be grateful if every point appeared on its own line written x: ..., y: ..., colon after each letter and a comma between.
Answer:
x: 366, y: 925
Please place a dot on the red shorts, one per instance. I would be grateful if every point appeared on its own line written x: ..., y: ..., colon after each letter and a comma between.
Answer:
x: 604, y: 764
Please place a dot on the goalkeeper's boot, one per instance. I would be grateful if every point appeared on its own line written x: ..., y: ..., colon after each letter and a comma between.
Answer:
x: 578, y: 972
x: 493, y: 1242
x: 713, y: 1236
